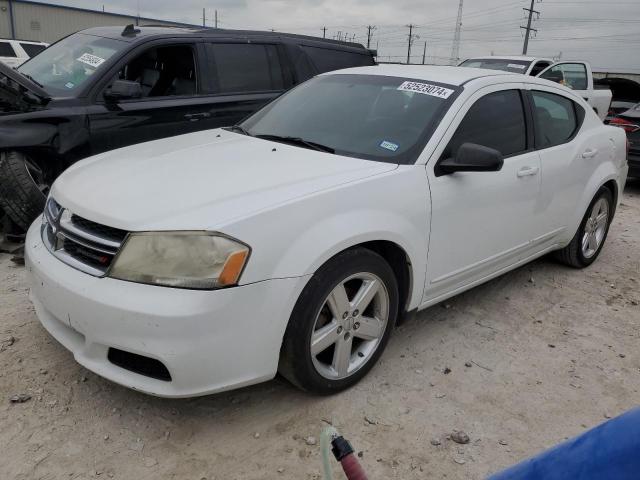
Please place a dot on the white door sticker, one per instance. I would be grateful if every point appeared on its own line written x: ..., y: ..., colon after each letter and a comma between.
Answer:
x: 426, y: 89
x: 91, y: 60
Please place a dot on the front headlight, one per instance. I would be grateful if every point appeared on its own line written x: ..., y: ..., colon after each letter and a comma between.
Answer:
x: 198, y: 260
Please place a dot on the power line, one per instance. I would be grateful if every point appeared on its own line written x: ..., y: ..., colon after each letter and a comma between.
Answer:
x: 455, y: 49
x: 412, y: 38
x: 528, y: 27
x: 370, y: 29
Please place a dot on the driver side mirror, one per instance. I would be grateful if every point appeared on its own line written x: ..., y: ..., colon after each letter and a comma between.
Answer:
x: 123, y: 90
x: 471, y: 158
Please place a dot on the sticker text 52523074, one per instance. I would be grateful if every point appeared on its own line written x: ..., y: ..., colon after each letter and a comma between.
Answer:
x: 426, y: 89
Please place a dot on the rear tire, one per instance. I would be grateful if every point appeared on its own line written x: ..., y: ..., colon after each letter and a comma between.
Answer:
x: 325, y: 349
x: 23, y: 188
x: 588, y: 241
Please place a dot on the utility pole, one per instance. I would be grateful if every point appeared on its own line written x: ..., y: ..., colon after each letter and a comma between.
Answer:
x: 203, y: 19
x: 370, y: 29
x: 424, y: 53
x: 528, y: 27
x: 412, y: 37
x: 324, y: 32
x: 455, y: 50
x: 216, y: 19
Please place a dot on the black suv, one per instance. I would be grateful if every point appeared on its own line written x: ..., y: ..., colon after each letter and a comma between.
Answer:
x: 105, y: 88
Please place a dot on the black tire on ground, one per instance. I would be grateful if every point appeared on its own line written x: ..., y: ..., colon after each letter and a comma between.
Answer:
x: 572, y: 254
x: 21, y: 196
x: 296, y: 363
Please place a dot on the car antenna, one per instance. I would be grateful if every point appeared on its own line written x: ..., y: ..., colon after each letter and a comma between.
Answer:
x: 130, y: 30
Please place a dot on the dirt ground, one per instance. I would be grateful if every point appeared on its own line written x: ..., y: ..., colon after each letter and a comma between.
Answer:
x: 553, y: 351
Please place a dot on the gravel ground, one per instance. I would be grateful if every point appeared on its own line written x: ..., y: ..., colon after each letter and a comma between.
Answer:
x: 535, y: 356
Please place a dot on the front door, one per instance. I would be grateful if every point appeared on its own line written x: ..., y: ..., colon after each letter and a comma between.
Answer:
x: 483, y: 222
x: 171, y: 102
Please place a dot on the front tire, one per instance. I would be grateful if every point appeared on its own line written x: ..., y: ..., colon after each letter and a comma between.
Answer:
x: 588, y: 241
x: 23, y: 188
x: 341, y: 323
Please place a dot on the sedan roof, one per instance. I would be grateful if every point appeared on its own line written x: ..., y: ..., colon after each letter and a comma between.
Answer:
x: 433, y: 73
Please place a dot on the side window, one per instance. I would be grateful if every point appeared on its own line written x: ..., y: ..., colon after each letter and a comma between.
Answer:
x: 327, y: 60
x: 6, y: 50
x: 243, y: 67
x: 32, y: 49
x: 572, y: 75
x: 556, y: 119
x: 539, y: 67
x: 496, y: 121
x: 163, y: 71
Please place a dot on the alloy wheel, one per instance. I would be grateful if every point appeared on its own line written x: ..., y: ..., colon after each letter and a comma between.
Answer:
x: 349, y: 326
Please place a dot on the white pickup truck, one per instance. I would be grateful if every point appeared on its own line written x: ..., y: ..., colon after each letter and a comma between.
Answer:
x: 575, y: 75
x: 15, y: 52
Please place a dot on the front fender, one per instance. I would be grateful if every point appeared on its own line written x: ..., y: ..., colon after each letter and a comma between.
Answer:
x: 55, y: 132
x: 295, y: 239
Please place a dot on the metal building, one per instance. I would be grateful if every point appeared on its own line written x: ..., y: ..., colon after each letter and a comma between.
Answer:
x: 38, y: 21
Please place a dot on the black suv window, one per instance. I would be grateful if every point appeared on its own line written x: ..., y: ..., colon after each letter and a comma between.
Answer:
x: 243, y: 67
x: 556, y: 118
x: 538, y: 67
x: 327, y: 60
x: 496, y: 121
x: 163, y: 71
x: 32, y: 49
x: 6, y: 50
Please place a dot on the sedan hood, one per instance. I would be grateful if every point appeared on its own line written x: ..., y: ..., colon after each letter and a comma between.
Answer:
x: 217, y: 175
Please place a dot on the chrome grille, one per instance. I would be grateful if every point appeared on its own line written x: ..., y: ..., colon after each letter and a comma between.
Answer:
x: 78, y: 242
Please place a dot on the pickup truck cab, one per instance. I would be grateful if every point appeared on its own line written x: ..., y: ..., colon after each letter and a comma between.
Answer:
x: 578, y: 77
x: 15, y: 52
x: 106, y: 88
x: 514, y: 64
x: 574, y: 75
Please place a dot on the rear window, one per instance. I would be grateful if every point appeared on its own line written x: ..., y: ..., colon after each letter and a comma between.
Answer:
x: 327, y: 60
x: 32, y: 49
x: 247, y: 67
x: 6, y: 50
x: 557, y: 119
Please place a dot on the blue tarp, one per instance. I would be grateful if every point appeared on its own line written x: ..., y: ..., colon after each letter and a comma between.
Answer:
x: 610, y: 451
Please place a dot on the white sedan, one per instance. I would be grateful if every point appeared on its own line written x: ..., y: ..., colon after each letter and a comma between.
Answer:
x: 295, y: 241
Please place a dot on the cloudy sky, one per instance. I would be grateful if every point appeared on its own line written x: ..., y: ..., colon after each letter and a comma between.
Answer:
x: 604, y: 32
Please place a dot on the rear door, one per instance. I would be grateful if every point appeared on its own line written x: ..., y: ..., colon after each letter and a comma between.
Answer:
x: 242, y: 78
x: 567, y: 160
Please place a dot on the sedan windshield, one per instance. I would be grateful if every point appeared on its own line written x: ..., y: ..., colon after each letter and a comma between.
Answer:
x: 503, y: 64
x: 374, y: 117
x: 65, y: 66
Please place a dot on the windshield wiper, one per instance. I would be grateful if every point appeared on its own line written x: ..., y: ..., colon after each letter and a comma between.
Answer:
x: 238, y: 128
x: 31, y: 78
x: 298, y: 141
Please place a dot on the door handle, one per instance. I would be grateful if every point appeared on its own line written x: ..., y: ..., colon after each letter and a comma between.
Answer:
x: 528, y: 171
x: 194, y: 117
x: 590, y: 153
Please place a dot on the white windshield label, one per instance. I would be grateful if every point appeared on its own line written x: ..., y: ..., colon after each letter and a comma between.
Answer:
x: 91, y: 60
x: 515, y: 65
x: 426, y: 89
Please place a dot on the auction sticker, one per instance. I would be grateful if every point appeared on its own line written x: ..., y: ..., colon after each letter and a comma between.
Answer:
x: 389, y: 145
x: 91, y: 60
x: 426, y: 89
x: 516, y: 65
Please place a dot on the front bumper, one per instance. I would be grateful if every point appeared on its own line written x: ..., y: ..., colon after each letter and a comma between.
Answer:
x: 209, y: 341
